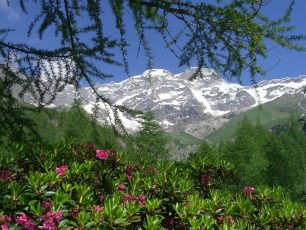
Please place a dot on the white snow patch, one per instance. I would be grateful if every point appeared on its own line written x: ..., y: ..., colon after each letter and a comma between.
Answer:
x: 198, y: 95
x: 254, y: 94
x: 166, y: 123
x: 173, y: 103
x: 294, y: 85
x: 156, y: 73
x: 149, y: 91
x: 88, y: 108
x: 128, y: 123
x: 51, y: 106
x: 120, y: 102
x: 164, y: 96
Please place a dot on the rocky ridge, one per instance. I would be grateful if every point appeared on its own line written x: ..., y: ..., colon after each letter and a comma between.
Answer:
x: 198, y: 106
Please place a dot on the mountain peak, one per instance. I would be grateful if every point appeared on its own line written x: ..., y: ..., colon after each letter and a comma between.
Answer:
x: 207, y: 74
x: 156, y: 73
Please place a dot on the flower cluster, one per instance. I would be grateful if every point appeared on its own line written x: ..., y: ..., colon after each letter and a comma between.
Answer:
x: 141, y: 200
x: 51, y: 219
x: 61, y: 170
x: 98, y: 208
x: 249, y: 190
x: 26, y: 222
x: 120, y: 187
x: 102, y: 153
x: 4, y: 227
x: 128, y: 197
x: 102, y: 186
x: 4, y: 221
x: 129, y: 170
x: 5, y: 175
x: 91, y: 146
x: 47, y: 204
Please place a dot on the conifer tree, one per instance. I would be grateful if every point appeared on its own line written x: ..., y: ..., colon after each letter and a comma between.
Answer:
x: 294, y: 140
x: 278, y: 170
x: 150, y: 140
x: 208, y: 150
x: 247, y: 152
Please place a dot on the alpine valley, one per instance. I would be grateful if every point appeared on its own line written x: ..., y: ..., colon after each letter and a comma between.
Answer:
x: 195, y: 107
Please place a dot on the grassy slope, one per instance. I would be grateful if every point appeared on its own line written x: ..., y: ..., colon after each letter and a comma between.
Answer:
x: 180, y: 138
x: 54, y: 125
x: 268, y: 114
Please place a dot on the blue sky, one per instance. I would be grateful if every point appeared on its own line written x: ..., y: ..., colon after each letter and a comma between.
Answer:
x: 281, y: 62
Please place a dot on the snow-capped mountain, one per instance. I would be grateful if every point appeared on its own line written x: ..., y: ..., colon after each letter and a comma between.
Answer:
x: 199, y: 106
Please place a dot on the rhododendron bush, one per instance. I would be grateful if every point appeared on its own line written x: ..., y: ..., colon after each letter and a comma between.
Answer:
x: 73, y: 186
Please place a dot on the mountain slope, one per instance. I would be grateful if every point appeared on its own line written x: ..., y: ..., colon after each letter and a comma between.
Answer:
x: 199, y: 107
x: 268, y: 114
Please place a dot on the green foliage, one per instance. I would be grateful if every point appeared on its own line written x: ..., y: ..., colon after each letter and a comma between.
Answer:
x: 267, y: 158
x: 51, y: 126
x: 70, y: 186
x: 208, y: 150
x: 78, y: 126
x: 12, y: 116
x: 248, y: 154
x: 293, y: 141
x: 278, y: 167
x: 150, y: 142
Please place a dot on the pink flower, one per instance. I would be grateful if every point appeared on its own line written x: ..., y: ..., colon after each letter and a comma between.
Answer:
x: 5, y: 219
x: 91, y: 146
x: 128, y: 197
x: 5, y: 175
x: 52, y: 215
x: 4, y: 227
x: 249, y: 190
x: 102, y: 154
x: 142, y: 199
x: 129, y: 170
x: 25, y: 222
x: 120, y: 187
x: 49, y: 224
x: 229, y: 219
x: 129, y: 177
x: 47, y: 204
x: 98, y: 208
x: 51, y: 220
x: 61, y: 170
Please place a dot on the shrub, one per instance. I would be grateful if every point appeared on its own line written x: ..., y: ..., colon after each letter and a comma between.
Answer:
x: 82, y: 187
